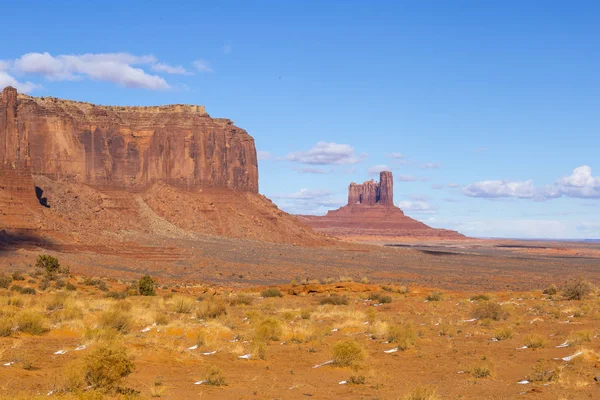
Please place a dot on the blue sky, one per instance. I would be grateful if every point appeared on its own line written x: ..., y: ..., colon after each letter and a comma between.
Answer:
x: 486, y: 112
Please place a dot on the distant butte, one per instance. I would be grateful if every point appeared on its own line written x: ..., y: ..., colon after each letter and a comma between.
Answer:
x: 371, y: 213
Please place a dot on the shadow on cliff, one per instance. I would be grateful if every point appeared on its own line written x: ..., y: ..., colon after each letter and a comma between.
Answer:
x: 11, y: 241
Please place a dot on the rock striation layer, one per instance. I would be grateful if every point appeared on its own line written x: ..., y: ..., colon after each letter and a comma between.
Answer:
x: 125, y: 147
x: 370, y: 212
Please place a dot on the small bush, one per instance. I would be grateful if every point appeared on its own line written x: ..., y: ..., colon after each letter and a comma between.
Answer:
x: 18, y: 276
x: 115, y: 319
x: 550, y: 290
x: 70, y: 287
x: 214, y: 376
x: 404, y: 335
x: 146, y: 286
x: 48, y: 264
x: 106, y: 365
x: 59, y: 284
x: 102, y: 286
x: 379, y: 298
x: 242, y: 299
x: 5, y: 327
x: 183, y: 305
x: 116, y: 295
x: 491, y: 310
x: 269, y: 329
x: 160, y: 318
x: 422, y: 393
x: 534, y: 341
x: 434, y: 296
x: 5, y: 281
x: 44, y: 283
x: 577, y: 289
x: 480, y: 297
x: 357, y: 380
x: 347, y: 353
x: 31, y: 322
x: 16, y: 288
x: 211, y: 308
x: 271, y: 292
x: 543, y: 372
x: 57, y: 302
x: 503, y: 333
x: 481, y: 371
x: 305, y: 313
x: 335, y: 300
x: 28, y: 290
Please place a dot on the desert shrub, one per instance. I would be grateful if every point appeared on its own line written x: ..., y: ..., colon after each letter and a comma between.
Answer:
x: 16, y: 302
x: 364, y: 280
x: 259, y: 349
x: 102, y: 286
x: 183, y: 305
x: 580, y: 337
x: 347, y: 353
x: 345, y: 279
x: 503, y: 333
x: 44, y: 283
x: 577, y: 289
x: 214, y: 376
x: 116, y: 295
x: 18, y: 276
x: 28, y: 290
x: 378, y: 297
x: 335, y: 300
x: 146, y: 286
x: 31, y: 322
x: 59, y: 283
x: 534, y: 341
x: 491, y: 310
x: 5, y: 327
x: 16, y: 288
x: 434, y: 296
x: 543, y: 372
x: 271, y: 292
x: 480, y: 297
x: 48, y: 264
x: 107, y: 364
x: 305, y: 313
x: 357, y: 380
x: 242, y: 299
x: 70, y: 287
x: 550, y: 290
x: 161, y: 318
x: 5, y: 281
x: 268, y: 329
x: 404, y: 335
x: 481, y: 371
x: 57, y: 302
x: 211, y: 308
x: 115, y: 319
x: 422, y: 393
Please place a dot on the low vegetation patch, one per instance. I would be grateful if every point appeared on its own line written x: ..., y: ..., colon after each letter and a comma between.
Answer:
x: 490, y: 310
x: 146, y: 286
x: 107, y: 364
x: 422, y: 393
x: 115, y: 319
x: 335, y: 300
x: 380, y: 298
x: 434, y: 296
x: 214, y: 376
x: 211, y: 308
x: 347, y: 353
x: 271, y: 292
x: 577, y: 289
x: 403, y: 335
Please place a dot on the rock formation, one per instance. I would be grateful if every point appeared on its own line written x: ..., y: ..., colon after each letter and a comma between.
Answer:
x: 370, y: 212
x: 125, y: 147
x: 371, y: 192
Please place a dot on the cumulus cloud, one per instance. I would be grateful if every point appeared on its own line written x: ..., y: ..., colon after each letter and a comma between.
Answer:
x: 376, y: 169
x: 202, y: 66
x: 311, y: 170
x: 580, y: 184
x: 263, y: 155
x: 326, y: 153
x: 170, y: 69
x: 417, y: 206
x: 119, y: 68
x: 23, y: 87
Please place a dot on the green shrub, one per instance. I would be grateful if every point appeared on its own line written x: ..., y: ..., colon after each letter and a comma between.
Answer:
x: 271, y: 292
x: 16, y: 288
x: 146, y: 286
x: 491, y: 310
x: 577, y: 289
x: 379, y: 298
x: 18, y: 276
x: 44, y: 283
x: 434, y: 296
x: 347, y: 353
x: 107, y: 364
x: 5, y: 281
x: 335, y: 300
x: 48, y: 264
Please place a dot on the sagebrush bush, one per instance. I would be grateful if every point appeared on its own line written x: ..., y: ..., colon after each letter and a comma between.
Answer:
x: 335, y: 300
x: 183, y: 305
x: 214, y: 376
x: 577, y: 289
x: 146, y: 286
x: 480, y: 297
x: 404, y: 335
x: 271, y: 292
x: 534, y: 341
x: 434, y: 296
x: 503, y: 333
x: 378, y: 297
x: 347, y: 353
x: 115, y: 319
x: 28, y: 290
x: 481, y: 371
x: 241, y: 299
x: 5, y: 327
x: 357, y: 380
x: 107, y: 364
x: 18, y: 276
x: 269, y: 329
x: 490, y: 310
x: 31, y: 322
x: 16, y: 288
x: 211, y: 308
x: 5, y: 281
x: 550, y: 290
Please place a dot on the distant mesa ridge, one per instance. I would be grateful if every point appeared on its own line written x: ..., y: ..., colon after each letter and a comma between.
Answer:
x: 371, y: 212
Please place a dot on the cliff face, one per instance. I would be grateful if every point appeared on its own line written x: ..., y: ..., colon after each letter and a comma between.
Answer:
x: 125, y: 147
x: 371, y: 192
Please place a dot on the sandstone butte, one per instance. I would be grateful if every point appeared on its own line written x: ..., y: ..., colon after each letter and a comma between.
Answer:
x: 371, y: 213
x: 75, y: 171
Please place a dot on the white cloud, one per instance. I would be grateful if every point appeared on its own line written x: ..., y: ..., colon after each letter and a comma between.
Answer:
x: 409, y: 178
x: 311, y: 170
x: 417, y: 206
x: 111, y: 67
x: 170, y: 69
x: 308, y: 201
x: 431, y: 165
x: 325, y: 153
x: 376, y: 169
x: 305, y: 194
x: 263, y: 155
x: 23, y: 87
x: 580, y: 184
x: 396, y: 156
x: 202, y: 66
